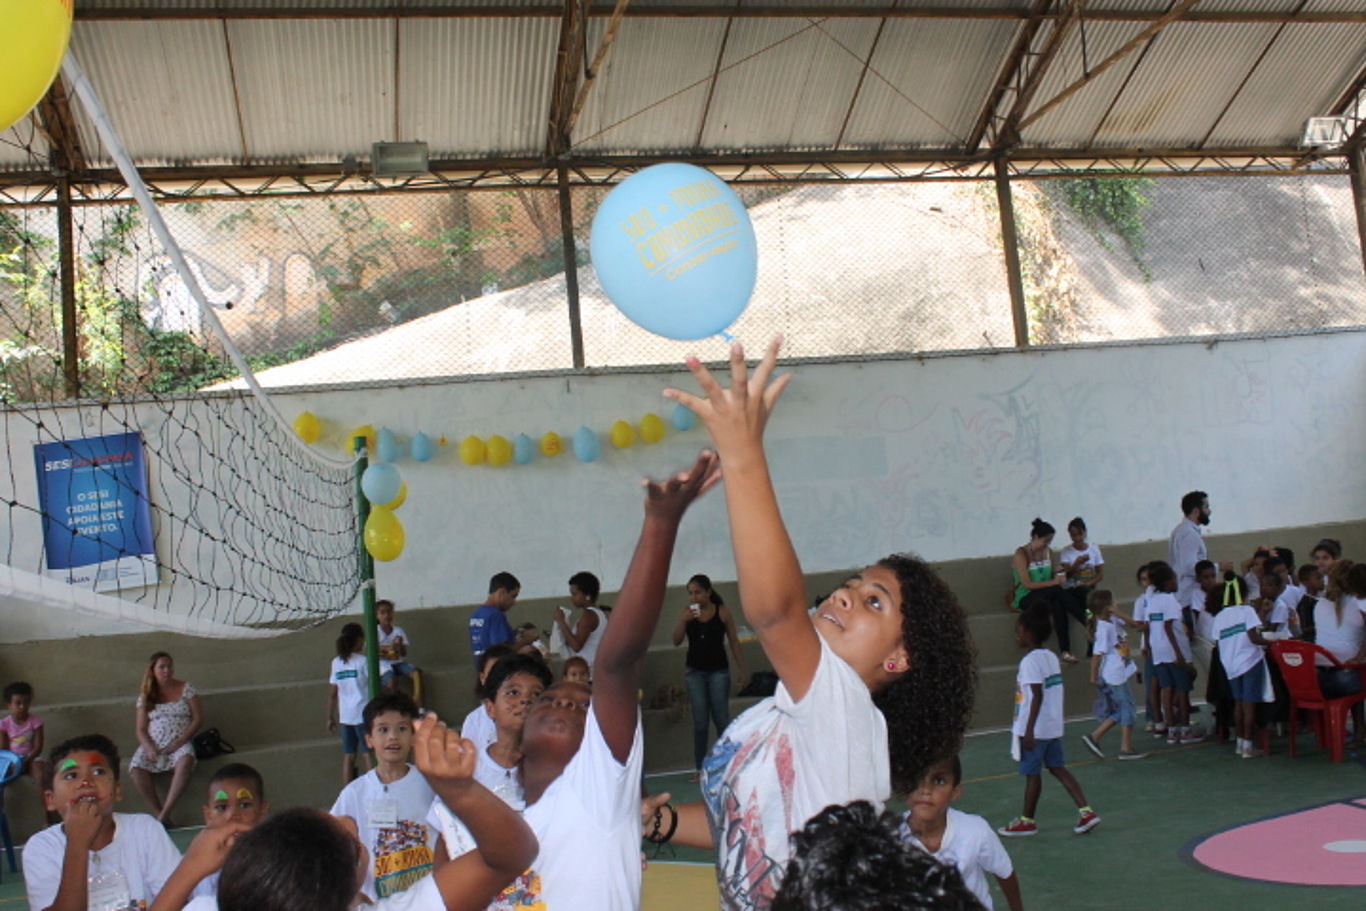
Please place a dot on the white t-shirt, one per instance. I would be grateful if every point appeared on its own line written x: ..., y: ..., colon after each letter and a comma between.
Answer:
x: 971, y: 845
x: 1162, y: 606
x: 505, y: 783
x: 386, y: 664
x: 1086, y: 573
x: 392, y: 822
x: 1113, y: 647
x: 1252, y: 585
x: 1141, y: 611
x: 590, y: 645
x: 1238, y: 653
x: 782, y: 762
x: 479, y: 727
x: 132, y: 868
x: 1342, y: 639
x: 1039, y: 666
x: 588, y: 826
x: 1281, y: 611
x: 425, y: 896
x: 353, y: 688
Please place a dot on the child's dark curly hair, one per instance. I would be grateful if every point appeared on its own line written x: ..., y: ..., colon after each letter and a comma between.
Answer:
x: 927, y: 708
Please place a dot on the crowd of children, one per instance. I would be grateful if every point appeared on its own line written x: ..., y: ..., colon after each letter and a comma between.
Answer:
x: 537, y: 803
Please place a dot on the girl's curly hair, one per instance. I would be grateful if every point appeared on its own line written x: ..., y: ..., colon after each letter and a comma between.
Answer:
x: 927, y: 708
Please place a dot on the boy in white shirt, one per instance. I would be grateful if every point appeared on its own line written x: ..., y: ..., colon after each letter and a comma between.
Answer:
x: 1171, y: 654
x: 94, y: 858
x: 953, y: 837
x: 389, y: 805
x: 393, y: 652
x: 1111, y: 669
x: 1038, y: 726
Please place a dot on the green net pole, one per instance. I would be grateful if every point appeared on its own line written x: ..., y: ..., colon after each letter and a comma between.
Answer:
x: 367, y: 572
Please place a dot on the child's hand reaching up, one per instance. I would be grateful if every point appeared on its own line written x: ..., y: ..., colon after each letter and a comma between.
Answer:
x: 670, y: 498
x: 443, y: 756
x: 735, y: 417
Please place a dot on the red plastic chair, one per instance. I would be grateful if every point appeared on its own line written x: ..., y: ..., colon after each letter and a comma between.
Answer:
x: 1298, y: 666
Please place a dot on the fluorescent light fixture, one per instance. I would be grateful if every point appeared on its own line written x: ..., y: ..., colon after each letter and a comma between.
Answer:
x: 398, y: 159
x: 1325, y: 132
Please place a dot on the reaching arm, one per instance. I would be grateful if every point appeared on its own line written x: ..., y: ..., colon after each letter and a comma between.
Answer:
x: 729, y: 620
x: 692, y: 830
x: 771, y: 584
x: 576, y: 637
x: 1020, y: 563
x: 621, y: 654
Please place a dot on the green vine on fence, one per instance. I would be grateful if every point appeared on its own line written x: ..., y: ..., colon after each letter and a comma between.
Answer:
x: 1117, y: 203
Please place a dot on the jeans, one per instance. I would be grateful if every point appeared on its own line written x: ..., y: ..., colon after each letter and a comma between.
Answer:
x: 709, y: 693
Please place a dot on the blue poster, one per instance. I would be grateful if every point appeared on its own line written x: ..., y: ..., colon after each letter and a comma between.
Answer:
x: 97, y: 522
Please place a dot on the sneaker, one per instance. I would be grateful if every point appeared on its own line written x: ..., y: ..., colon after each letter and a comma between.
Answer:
x: 1092, y: 746
x: 1149, y: 727
x: 1068, y: 657
x: 1159, y: 730
x: 1171, y: 736
x: 1086, y: 821
x: 1191, y: 735
x: 1020, y: 826
x: 1132, y: 755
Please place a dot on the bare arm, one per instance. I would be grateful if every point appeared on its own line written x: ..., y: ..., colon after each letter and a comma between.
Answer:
x: 332, y: 707
x: 729, y: 620
x: 196, y: 720
x: 576, y: 637
x: 1010, y: 885
x: 37, y: 742
x: 82, y: 824
x: 1020, y: 564
x: 143, y: 730
x: 621, y: 654
x: 1035, y: 704
x: 771, y: 584
x: 680, y: 630
x: 204, y: 858
x: 693, y: 829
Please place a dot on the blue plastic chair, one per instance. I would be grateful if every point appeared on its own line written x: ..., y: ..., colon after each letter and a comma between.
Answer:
x: 11, y: 767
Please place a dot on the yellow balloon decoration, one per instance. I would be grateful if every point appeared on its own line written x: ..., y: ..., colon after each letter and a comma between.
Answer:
x: 472, y: 450
x: 551, y: 444
x: 308, y: 427
x: 383, y: 534
x: 32, y: 41
x: 652, y: 428
x: 623, y: 435
x: 399, y: 500
x: 500, y: 450
x: 364, y: 430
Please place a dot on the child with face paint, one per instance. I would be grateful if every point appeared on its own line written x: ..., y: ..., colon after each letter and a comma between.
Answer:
x: 236, y: 801
x: 80, y: 864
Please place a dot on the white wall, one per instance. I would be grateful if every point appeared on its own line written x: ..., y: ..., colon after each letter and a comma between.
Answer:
x: 947, y: 456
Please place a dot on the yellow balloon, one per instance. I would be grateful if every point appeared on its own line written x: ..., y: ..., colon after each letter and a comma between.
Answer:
x: 308, y: 427
x: 32, y: 43
x: 652, y: 428
x: 551, y: 444
x: 399, y: 500
x: 500, y: 450
x: 364, y: 430
x: 472, y: 450
x: 383, y: 534
x: 623, y: 435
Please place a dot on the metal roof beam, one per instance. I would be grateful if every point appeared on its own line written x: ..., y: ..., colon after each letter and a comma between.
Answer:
x: 1010, y: 73
x: 720, y: 11
x: 1033, y: 67
x: 608, y: 36
x: 568, y: 57
x: 64, y: 141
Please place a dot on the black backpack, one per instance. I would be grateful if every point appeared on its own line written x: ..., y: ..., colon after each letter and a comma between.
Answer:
x: 210, y: 743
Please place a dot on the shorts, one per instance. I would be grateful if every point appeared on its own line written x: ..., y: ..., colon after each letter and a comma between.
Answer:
x: 397, y: 669
x: 1046, y: 754
x: 1248, y: 686
x: 1121, y: 710
x: 352, y: 738
x: 1175, y: 676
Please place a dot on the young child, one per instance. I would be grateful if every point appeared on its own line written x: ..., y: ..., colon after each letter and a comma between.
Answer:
x: 514, y: 685
x: 1111, y: 669
x: 957, y: 838
x: 306, y: 860
x: 1242, y: 649
x: 884, y: 666
x: 389, y: 805
x: 478, y: 726
x: 393, y: 652
x: 576, y: 670
x: 349, y: 688
x: 94, y: 858
x: 1038, y: 726
x: 853, y: 858
x: 1171, y: 653
x: 21, y: 731
x: 583, y: 750
x: 236, y: 800
x: 1152, y: 691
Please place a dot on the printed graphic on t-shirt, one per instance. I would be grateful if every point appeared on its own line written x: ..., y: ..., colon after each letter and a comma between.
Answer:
x: 1052, y: 680
x: 402, y: 857
x: 524, y: 894
x: 746, y: 873
x: 1235, y: 630
x: 347, y: 675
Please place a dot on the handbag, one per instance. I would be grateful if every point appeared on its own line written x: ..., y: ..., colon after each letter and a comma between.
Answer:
x: 210, y: 743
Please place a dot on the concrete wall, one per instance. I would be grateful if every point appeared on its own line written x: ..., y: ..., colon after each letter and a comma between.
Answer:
x: 949, y: 456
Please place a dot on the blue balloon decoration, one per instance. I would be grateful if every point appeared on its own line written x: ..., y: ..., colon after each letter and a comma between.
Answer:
x: 675, y: 251
x: 421, y: 448
x: 380, y: 483
x: 523, y: 449
x: 683, y: 417
x: 587, y: 446
x: 386, y: 446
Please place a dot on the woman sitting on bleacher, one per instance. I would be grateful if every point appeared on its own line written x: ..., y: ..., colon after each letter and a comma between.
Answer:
x: 168, y: 716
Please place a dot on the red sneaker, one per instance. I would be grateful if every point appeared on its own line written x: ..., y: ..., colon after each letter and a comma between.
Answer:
x: 1020, y: 826
x: 1086, y: 821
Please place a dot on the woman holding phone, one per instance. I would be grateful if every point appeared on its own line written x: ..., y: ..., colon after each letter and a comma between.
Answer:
x: 707, y: 624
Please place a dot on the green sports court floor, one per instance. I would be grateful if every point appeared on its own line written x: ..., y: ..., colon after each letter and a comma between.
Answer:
x: 1154, y: 812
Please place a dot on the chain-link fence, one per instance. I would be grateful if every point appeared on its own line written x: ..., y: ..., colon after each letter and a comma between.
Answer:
x: 353, y: 288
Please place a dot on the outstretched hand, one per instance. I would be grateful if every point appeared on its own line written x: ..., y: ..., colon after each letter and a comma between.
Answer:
x: 670, y: 498
x: 441, y: 754
x: 736, y: 416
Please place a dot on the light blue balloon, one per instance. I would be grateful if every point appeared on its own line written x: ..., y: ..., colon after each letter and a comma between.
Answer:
x: 587, y: 446
x: 675, y: 251
x: 523, y: 449
x: 421, y: 448
x: 387, y: 448
x: 380, y: 483
x: 683, y: 417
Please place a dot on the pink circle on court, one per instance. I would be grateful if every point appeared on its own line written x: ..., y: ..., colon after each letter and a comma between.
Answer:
x: 1321, y: 846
